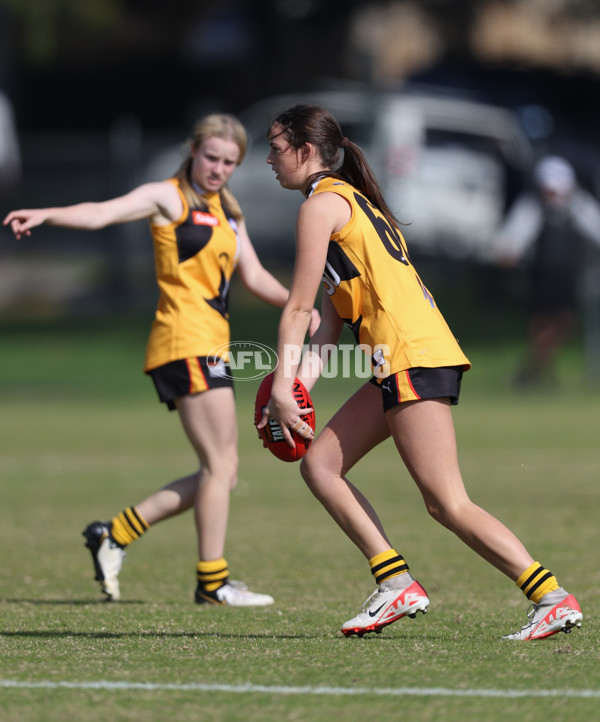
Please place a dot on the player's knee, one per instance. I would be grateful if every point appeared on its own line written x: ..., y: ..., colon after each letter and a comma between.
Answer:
x: 225, y: 467
x: 448, y: 515
x: 307, y: 468
x: 312, y: 469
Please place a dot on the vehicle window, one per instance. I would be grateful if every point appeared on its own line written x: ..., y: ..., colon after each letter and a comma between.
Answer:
x: 438, y: 138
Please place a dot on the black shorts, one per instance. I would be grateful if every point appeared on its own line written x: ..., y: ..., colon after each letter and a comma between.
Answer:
x: 420, y: 383
x: 190, y: 376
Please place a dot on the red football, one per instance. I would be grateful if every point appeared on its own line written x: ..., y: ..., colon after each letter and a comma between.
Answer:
x: 271, y: 434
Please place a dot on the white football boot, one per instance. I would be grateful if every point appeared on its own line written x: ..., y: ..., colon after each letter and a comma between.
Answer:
x: 557, y: 612
x: 385, y: 606
x: 232, y: 594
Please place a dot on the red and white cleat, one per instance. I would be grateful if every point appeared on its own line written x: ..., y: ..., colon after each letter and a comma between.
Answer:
x: 550, y: 617
x: 385, y: 606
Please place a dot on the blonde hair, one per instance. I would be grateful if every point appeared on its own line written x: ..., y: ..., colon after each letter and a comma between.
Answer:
x: 226, y: 127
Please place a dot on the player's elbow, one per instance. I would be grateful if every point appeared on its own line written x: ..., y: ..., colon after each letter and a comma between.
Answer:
x: 296, y: 316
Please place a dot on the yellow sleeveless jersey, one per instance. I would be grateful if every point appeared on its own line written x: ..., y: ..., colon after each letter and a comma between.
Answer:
x: 379, y: 295
x: 195, y: 258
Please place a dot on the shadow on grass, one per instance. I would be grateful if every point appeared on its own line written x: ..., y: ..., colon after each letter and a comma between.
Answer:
x: 73, y: 602
x: 35, y: 634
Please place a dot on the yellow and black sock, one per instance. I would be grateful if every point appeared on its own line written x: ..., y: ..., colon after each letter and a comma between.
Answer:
x: 387, y: 565
x: 213, y: 574
x: 128, y: 526
x: 536, y: 581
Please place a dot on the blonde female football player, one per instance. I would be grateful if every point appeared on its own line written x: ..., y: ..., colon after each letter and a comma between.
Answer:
x: 348, y: 240
x: 200, y: 239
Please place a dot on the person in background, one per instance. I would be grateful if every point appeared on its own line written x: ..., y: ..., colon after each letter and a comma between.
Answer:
x: 200, y: 239
x: 548, y: 230
x: 348, y: 240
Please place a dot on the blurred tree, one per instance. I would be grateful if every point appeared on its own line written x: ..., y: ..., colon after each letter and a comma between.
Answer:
x: 49, y: 28
x: 453, y: 21
x: 111, y: 56
x: 98, y: 32
x: 95, y: 32
x: 561, y: 35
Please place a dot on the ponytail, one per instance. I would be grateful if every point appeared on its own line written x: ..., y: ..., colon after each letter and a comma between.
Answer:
x: 313, y: 124
x: 356, y: 171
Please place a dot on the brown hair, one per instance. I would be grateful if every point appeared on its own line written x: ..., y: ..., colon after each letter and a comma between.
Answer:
x: 312, y: 124
x: 226, y: 127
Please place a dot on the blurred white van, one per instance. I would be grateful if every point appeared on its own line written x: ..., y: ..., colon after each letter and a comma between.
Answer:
x: 448, y: 167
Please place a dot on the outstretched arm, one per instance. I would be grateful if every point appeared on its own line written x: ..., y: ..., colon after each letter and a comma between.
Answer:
x: 157, y: 201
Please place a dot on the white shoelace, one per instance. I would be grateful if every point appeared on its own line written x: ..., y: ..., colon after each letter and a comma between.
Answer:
x: 371, y: 599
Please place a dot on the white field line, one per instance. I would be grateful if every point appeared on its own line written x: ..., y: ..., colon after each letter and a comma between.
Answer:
x: 309, y: 690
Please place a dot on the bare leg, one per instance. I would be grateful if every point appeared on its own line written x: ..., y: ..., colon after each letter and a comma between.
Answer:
x: 354, y: 430
x: 210, y: 424
x: 424, y: 435
x: 172, y: 499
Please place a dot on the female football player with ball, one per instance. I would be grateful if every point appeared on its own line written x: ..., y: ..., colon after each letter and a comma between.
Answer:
x: 200, y: 239
x: 348, y: 239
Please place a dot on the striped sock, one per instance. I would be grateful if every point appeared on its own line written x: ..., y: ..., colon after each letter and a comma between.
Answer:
x: 536, y: 581
x: 213, y: 574
x: 128, y: 526
x: 387, y: 565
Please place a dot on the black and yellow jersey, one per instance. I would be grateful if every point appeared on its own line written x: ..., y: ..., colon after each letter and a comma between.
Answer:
x: 378, y: 293
x: 195, y: 258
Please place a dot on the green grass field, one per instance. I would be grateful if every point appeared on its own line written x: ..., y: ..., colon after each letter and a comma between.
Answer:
x: 82, y: 436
